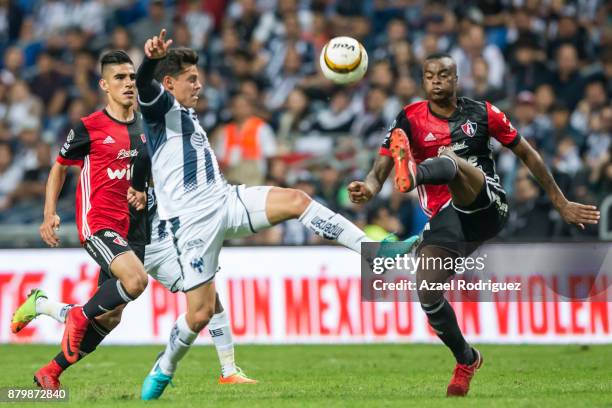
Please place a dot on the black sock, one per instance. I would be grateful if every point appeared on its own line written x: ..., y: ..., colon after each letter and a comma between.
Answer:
x: 93, y: 336
x: 442, y: 319
x: 108, y: 296
x: 437, y: 170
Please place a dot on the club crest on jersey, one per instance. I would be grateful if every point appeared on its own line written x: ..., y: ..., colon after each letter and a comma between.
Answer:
x: 469, y: 128
x: 143, y: 138
x: 119, y: 241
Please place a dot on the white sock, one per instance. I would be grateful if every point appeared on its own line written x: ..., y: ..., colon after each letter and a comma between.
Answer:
x: 181, y: 339
x: 221, y: 333
x: 51, y: 308
x: 330, y: 225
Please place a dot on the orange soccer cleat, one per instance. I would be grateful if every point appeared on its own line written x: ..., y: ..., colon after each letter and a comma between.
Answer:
x: 460, y: 382
x: 237, y: 378
x: 405, y: 166
x: 48, y: 376
x: 76, y: 326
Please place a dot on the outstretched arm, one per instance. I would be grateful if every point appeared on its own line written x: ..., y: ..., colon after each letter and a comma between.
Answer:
x: 363, y: 191
x: 155, y: 49
x: 572, y: 213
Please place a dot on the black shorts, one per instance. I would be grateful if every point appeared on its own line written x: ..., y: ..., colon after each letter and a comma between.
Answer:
x: 462, y: 230
x: 105, y: 245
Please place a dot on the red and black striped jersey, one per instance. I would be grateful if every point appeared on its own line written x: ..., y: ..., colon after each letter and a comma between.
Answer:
x: 467, y: 132
x: 106, y: 150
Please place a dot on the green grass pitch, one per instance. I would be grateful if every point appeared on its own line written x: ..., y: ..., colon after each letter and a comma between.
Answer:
x: 332, y: 376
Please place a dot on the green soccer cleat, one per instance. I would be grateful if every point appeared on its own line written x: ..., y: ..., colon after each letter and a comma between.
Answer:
x: 26, y: 312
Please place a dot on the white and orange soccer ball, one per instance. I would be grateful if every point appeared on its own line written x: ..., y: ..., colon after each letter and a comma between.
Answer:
x: 343, y: 60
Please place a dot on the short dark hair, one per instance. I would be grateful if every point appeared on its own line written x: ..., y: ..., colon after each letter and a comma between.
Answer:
x: 438, y: 55
x: 114, y: 57
x: 175, y: 62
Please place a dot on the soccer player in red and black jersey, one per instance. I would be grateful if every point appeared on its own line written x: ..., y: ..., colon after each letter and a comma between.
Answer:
x: 440, y: 146
x: 105, y: 145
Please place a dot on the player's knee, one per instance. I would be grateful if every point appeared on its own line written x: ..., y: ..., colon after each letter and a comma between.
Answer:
x: 135, y: 284
x: 297, y: 201
x: 199, y: 319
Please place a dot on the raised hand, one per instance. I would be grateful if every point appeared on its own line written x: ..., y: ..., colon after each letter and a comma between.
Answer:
x: 157, y: 47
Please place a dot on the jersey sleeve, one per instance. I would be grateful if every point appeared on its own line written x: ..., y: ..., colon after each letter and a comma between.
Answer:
x: 153, y: 99
x: 400, y: 122
x: 501, y: 128
x: 76, y: 147
x: 153, y: 111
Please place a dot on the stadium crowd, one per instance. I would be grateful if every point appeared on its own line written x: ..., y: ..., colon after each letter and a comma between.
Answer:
x: 274, y: 119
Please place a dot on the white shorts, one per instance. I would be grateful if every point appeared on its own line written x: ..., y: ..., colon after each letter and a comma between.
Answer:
x: 162, y: 263
x: 199, y: 238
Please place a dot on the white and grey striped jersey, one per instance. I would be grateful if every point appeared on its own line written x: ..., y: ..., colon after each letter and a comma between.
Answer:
x: 185, y: 170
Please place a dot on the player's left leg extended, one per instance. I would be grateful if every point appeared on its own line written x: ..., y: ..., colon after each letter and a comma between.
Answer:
x: 285, y: 203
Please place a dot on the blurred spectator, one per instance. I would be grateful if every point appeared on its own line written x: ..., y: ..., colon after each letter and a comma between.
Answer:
x: 245, y: 19
x: 49, y: 85
x: 483, y: 90
x: 244, y: 144
x: 595, y: 98
x: 371, y: 125
x: 530, y: 215
x: 158, y: 17
x: 567, y: 158
x: 285, y: 80
x: 525, y: 122
x: 199, y: 23
x: 339, y: 116
x: 296, y: 118
x: 121, y: 39
x: 25, y: 109
x: 381, y: 223
x: 472, y: 44
x: 12, y: 65
x: 32, y: 187
x: 567, y: 81
x: 11, y: 174
x: 528, y: 68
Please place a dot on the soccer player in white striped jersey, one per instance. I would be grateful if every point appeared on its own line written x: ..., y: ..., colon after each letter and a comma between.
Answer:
x: 201, y: 208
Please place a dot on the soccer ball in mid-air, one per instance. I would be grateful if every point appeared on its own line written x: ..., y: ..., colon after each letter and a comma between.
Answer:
x: 344, y: 60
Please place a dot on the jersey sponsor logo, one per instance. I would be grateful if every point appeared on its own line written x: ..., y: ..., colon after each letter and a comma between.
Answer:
x: 109, y: 139
x: 325, y: 228
x: 469, y: 128
x: 455, y: 146
x: 197, y: 140
x: 109, y: 234
x: 124, y: 154
x: 430, y: 137
x: 120, y: 174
